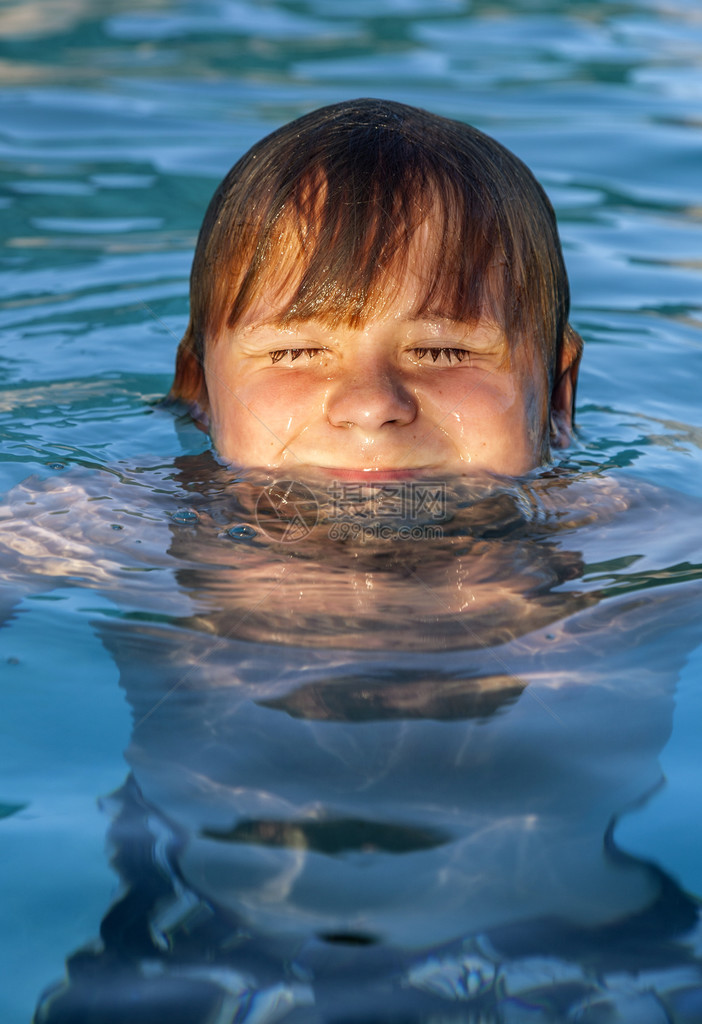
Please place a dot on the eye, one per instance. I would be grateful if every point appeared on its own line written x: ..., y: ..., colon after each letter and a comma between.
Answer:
x: 445, y: 356
x: 289, y: 355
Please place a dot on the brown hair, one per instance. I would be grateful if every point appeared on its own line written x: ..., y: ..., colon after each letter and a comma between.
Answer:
x: 327, y: 206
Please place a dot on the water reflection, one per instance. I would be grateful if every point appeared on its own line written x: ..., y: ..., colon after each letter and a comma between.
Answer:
x: 379, y: 780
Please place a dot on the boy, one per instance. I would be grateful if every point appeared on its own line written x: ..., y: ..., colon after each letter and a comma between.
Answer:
x: 379, y: 292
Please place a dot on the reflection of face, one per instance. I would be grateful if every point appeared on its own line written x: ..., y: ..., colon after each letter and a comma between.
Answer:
x: 398, y: 394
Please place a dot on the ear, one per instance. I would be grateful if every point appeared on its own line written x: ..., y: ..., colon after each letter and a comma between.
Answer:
x: 188, y: 385
x: 200, y: 417
x: 564, y: 388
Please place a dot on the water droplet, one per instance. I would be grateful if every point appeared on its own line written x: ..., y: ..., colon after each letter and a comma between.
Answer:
x: 242, y: 531
x: 185, y: 515
x: 116, y: 526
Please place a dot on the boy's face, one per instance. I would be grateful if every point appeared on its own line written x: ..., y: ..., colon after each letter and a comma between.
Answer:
x: 395, y: 397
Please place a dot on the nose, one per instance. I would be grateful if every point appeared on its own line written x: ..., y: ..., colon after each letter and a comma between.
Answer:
x: 370, y: 398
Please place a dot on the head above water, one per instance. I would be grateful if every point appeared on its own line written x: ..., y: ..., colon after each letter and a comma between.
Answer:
x: 379, y: 289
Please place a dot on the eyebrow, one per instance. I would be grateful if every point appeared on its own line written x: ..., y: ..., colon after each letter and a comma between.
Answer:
x: 433, y: 315
x: 280, y: 321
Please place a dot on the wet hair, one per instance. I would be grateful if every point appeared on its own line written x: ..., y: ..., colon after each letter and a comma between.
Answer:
x: 327, y: 210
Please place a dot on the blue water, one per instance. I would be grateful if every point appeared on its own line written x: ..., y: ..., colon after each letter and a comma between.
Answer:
x: 117, y: 120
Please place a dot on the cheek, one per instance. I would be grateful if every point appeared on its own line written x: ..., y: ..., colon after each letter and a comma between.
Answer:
x: 270, y: 405
x: 280, y: 396
x: 477, y: 403
x: 526, y: 421
x: 494, y: 413
x: 536, y: 414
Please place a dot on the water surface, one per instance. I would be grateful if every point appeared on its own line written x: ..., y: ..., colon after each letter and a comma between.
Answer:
x: 463, y: 778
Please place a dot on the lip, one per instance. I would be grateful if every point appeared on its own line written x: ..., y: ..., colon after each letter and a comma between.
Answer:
x: 370, y: 476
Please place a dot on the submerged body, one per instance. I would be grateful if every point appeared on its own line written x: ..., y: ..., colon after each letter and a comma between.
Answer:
x: 423, y: 766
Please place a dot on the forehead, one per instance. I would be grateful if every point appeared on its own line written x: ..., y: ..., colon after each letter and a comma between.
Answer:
x: 301, y: 279
x: 400, y: 294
